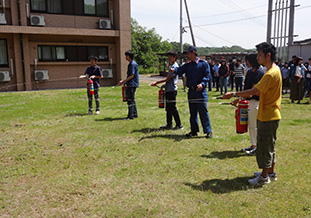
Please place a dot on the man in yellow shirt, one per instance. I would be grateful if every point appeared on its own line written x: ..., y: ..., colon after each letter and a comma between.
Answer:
x: 269, y: 113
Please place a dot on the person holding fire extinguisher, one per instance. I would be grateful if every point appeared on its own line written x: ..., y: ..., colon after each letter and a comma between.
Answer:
x: 93, y: 73
x: 170, y: 94
x: 131, y: 82
x: 198, y: 74
x: 269, y: 113
x: 253, y: 76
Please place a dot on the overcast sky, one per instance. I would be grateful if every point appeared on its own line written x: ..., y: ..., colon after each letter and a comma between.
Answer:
x: 216, y: 23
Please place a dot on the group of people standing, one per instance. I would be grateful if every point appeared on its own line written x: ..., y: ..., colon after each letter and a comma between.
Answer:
x: 296, y: 77
x: 264, y: 114
x: 224, y: 75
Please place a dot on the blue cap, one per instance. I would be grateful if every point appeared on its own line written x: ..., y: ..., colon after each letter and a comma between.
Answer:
x: 191, y: 49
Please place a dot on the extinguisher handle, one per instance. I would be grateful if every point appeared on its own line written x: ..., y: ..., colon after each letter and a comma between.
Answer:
x: 234, y: 105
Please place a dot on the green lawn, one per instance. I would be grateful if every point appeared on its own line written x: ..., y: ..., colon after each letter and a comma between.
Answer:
x: 56, y: 161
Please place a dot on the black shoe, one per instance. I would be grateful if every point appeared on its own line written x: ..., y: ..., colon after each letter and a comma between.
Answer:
x: 166, y: 127
x: 209, y: 135
x: 178, y: 127
x: 191, y: 134
x: 129, y: 118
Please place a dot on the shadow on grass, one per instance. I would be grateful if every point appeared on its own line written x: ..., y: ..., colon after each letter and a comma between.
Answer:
x: 147, y: 130
x: 171, y: 136
x: 224, y: 154
x: 220, y: 186
x: 110, y: 119
x: 77, y: 115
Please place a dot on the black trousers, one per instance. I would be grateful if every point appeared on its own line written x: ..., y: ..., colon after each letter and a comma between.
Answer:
x: 130, y: 95
x: 217, y: 83
x: 90, y: 97
x: 171, y: 110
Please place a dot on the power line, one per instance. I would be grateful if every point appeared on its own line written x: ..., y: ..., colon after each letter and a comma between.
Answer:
x: 216, y: 15
x: 232, y: 5
x: 230, y: 21
x: 215, y: 35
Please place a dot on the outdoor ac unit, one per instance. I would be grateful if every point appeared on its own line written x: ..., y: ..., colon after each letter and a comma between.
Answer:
x: 104, y: 24
x: 41, y: 75
x: 2, y: 18
x: 4, y: 76
x: 107, y: 73
x: 37, y: 20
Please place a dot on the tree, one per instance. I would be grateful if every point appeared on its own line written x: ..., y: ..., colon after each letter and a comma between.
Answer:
x: 146, y: 44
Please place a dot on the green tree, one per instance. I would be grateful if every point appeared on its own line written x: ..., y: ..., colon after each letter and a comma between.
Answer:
x: 146, y: 44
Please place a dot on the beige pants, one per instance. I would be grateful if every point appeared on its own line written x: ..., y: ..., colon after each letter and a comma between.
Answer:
x: 252, y: 120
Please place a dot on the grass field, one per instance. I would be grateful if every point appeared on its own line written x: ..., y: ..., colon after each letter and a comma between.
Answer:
x: 56, y: 161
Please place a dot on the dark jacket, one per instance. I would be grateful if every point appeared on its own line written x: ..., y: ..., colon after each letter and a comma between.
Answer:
x: 223, y: 71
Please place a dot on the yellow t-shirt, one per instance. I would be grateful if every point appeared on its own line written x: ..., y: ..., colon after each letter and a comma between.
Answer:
x: 270, y: 87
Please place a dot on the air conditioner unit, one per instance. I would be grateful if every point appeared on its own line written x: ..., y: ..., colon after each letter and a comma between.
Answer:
x: 2, y: 18
x: 41, y: 75
x: 37, y: 20
x: 107, y: 73
x: 4, y: 76
x: 104, y: 24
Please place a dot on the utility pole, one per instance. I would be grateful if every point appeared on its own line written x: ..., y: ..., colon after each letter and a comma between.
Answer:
x: 269, y: 23
x: 192, y: 36
x: 291, y: 22
x: 181, y: 29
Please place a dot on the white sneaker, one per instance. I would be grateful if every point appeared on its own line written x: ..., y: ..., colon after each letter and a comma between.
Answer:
x: 97, y: 112
x: 251, y: 152
x: 272, y: 176
x: 247, y: 149
x: 259, y: 181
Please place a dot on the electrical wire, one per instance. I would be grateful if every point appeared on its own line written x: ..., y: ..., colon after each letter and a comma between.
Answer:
x: 222, y: 14
x: 233, y: 6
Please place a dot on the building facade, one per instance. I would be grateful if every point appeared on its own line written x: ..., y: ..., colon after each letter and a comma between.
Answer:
x: 46, y: 44
x: 301, y: 49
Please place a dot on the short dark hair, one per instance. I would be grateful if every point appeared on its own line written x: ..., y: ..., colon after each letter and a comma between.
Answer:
x: 252, y: 59
x: 297, y: 60
x: 130, y: 53
x: 309, y: 58
x: 172, y: 52
x: 267, y: 47
x: 94, y: 58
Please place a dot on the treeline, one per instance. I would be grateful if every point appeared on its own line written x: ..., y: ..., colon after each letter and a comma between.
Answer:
x: 146, y: 44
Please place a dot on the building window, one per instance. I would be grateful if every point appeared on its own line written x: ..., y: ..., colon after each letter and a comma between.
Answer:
x: 102, y: 7
x: 3, y: 53
x: 51, y: 53
x: 71, y: 53
x: 89, y: 7
x: 50, y: 6
x: 96, y: 7
x: 38, y: 5
x: 54, y: 6
x: 74, y: 7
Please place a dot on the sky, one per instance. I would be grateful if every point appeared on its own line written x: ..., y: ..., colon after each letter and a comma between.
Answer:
x: 216, y: 23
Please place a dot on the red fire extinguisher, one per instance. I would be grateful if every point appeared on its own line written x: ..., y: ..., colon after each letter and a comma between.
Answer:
x: 124, y: 98
x: 90, y: 86
x: 161, y: 98
x: 241, y: 117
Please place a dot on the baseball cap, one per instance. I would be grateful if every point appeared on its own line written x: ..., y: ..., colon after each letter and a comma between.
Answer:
x: 191, y: 49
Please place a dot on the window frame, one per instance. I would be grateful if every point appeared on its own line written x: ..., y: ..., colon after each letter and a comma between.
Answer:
x: 7, y: 54
x: 69, y: 50
x: 76, y: 10
x: 53, y: 59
